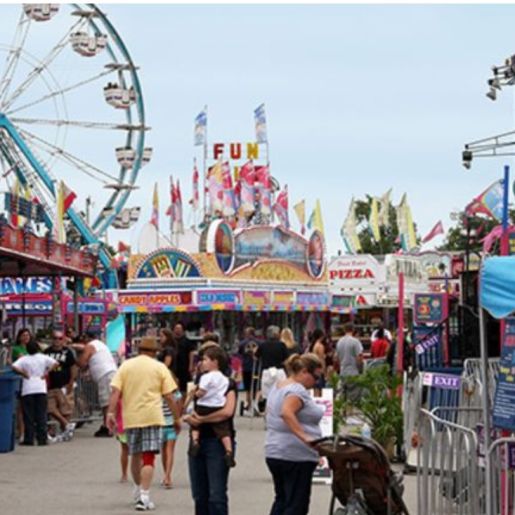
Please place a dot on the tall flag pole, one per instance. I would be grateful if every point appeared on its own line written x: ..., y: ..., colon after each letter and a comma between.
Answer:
x: 200, y: 138
x: 300, y: 211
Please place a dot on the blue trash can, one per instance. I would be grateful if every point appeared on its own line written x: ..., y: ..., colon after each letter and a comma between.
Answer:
x: 9, y: 386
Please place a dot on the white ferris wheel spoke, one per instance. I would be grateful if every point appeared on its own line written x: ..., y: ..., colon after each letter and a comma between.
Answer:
x: 75, y: 123
x: 13, y: 56
x: 36, y: 70
x: 58, y: 152
x: 60, y: 92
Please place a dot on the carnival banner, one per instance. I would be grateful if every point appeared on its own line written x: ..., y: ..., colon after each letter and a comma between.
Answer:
x: 430, y: 308
x: 504, y: 402
x: 200, y: 128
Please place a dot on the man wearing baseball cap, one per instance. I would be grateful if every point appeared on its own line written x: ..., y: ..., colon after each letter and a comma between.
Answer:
x: 142, y: 382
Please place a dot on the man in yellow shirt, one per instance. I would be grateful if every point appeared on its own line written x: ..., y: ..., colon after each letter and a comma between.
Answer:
x: 141, y: 383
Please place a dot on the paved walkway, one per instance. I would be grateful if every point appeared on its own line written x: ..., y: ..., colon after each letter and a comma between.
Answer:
x: 81, y: 477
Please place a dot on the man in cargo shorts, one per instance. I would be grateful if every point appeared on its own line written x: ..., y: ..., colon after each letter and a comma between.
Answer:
x: 141, y: 383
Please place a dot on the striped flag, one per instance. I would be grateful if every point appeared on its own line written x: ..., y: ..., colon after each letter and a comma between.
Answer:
x: 60, y: 233
x: 281, y: 207
x: 195, y: 194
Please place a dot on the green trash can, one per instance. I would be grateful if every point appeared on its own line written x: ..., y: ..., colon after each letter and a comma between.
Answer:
x: 9, y: 387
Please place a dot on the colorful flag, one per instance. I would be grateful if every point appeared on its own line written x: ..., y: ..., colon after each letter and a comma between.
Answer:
x: 195, y: 194
x: 60, y: 233
x: 315, y: 220
x: 123, y: 247
x: 281, y: 207
x: 215, y: 188
x: 260, y: 122
x: 154, y: 219
x: 171, y: 208
x: 68, y: 197
x: 15, y: 219
x: 489, y: 239
x: 435, y: 231
x: 178, y: 219
x: 406, y: 227
x: 348, y: 231
x: 384, y: 209
x: 300, y: 211
x: 489, y: 203
x: 229, y: 202
x: 201, y: 128
x: 263, y: 185
x: 373, y: 220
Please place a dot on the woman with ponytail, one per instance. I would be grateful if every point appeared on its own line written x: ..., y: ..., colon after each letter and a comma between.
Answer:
x: 292, y: 422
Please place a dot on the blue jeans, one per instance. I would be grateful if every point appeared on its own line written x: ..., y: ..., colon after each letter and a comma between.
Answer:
x: 208, y: 477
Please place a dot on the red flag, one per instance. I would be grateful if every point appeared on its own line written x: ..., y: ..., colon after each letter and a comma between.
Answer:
x: 226, y: 176
x: 435, y: 231
x: 263, y: 176
x: 169, y: 211
x: 248, y: 173
x: 281, y: 207
x: 489, y: 239
x: 195, y: 195
x: 123, y: 247
x: 68, y: 197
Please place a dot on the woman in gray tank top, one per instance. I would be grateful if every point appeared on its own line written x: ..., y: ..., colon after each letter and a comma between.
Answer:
x: 292, y: 422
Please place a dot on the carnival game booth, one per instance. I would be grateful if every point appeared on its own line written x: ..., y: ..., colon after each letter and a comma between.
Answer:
x: 258, y: 276
x: 39, y: 263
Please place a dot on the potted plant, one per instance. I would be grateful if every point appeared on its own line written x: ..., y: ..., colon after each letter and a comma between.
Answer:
x: 378, y: 404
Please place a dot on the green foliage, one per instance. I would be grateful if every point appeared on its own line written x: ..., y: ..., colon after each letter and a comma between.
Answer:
x: 478, y: 228
x: 389, y: 235
x: 378, y: 403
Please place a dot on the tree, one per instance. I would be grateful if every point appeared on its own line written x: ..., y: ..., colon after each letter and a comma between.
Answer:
x: 478, y: 228
x: 388, y: 242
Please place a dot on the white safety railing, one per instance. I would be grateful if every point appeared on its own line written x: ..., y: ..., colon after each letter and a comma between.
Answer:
x: 449, y: 479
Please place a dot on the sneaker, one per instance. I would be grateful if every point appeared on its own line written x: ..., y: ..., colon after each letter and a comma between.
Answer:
x: 51, y: 439
x: 70, y: 427
x: 142, y: 505
x: 136, y: 493
x: 103, y: 431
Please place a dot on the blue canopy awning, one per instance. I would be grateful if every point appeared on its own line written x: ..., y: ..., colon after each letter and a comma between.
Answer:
x: 497, y: 286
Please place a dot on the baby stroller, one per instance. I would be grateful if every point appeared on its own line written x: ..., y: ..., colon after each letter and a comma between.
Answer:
x: 362, y: 479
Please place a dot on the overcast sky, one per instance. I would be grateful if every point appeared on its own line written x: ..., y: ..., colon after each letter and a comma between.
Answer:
x: 359, y: 99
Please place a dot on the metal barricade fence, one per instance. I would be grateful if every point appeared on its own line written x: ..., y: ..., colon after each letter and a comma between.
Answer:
x: 501, y: 464
x: 449, y: 479
x: 86, y: 405
x: 472, y: 369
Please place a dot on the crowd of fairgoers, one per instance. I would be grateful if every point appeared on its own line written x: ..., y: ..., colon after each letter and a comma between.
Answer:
x: 145, y: 402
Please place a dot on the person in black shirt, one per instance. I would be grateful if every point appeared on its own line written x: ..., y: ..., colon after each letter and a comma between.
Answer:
x: 272, y: 355
x: 62, y: 378
x: 246, y: 350
x: 185, y: 356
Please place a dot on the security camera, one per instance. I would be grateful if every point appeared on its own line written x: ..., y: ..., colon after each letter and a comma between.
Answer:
x: 466, y: 157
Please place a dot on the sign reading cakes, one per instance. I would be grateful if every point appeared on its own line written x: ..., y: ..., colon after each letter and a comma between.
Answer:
x: 167, y: 263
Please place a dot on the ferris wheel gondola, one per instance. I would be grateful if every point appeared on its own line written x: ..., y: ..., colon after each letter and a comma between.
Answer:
x: 71, y: 109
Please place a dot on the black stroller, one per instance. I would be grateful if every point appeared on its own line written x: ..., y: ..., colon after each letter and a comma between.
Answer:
x: 363, y: 481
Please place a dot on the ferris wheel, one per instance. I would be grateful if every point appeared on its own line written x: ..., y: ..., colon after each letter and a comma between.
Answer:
x: 71, y: 109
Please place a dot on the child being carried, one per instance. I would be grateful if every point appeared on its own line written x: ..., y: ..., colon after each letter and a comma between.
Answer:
x: 210, y: 397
